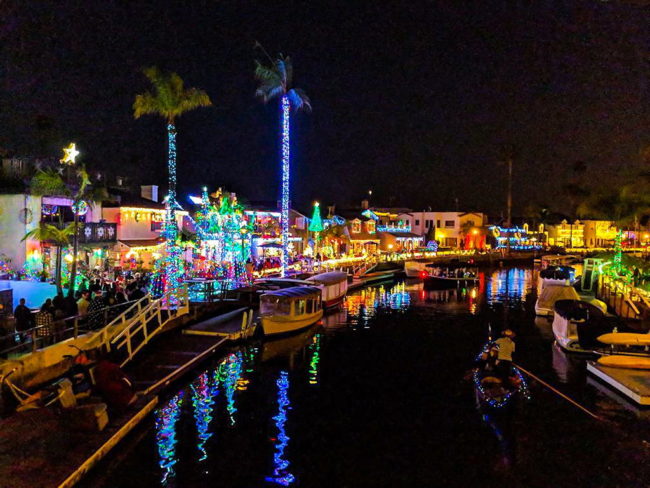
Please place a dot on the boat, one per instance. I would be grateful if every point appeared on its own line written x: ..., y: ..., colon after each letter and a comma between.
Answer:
x: 555, y: 275
x: 334, y: 286
x: 491, y: 392
x: 437, y: 277
x: 578, y: 325
x: 416, y: 268
x: 551, y: 260
x: 290, y: 309
x: 551, y: 294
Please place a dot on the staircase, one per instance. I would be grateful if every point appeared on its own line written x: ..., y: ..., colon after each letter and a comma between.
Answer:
x: 143, y: 326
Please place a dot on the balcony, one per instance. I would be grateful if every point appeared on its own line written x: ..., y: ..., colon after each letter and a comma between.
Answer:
x: 96, y: 232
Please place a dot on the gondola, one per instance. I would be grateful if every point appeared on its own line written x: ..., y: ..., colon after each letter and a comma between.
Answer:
x: 491, y: 392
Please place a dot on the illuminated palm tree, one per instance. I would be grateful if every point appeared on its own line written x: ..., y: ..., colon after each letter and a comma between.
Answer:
x: 170, y: 99
x: 275, y: 81
x: 60, y: 238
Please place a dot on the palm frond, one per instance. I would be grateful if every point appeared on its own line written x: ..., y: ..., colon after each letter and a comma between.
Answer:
x: 48, y: 183
x: 299, y: 100
x: 146, y: 104
x: 191, y: 99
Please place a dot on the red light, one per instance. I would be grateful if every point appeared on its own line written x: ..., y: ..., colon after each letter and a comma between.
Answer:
x: 423, y: 274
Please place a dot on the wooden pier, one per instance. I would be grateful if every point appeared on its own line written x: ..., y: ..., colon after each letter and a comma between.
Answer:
x: 633, y: 383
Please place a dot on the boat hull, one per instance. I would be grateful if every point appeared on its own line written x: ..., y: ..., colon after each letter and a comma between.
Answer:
x: 333, y: 302
x: 438, y: 282
x: 279, y: 324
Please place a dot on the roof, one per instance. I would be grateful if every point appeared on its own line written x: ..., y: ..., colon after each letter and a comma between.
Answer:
x: 297, y: 291
x: 329, y: 278
x: 121, y: 198
x: 141, y: 242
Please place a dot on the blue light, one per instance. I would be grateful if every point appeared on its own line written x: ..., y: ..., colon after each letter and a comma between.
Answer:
x: 173, y: 268
x: 281, y: 475
x: 284, y: 217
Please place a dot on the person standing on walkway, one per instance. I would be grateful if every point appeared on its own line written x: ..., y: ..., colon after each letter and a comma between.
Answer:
x: 24, y: 318
x: 95, y: 311
x: 83, y: 303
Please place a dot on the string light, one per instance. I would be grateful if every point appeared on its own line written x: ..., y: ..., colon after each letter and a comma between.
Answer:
x: 314, y: 362
x: 284, y: 217
x: 522, y: 385
x: 281, y: 474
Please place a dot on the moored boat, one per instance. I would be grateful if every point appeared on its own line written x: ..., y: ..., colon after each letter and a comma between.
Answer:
x: 437, y: 277
x: 334, y: 286
x: 416, y: 268
x: 577, y: 325
x: 290, y: 309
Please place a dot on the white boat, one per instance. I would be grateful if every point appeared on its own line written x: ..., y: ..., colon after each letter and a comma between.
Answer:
x: 416, y: 268
x: 550, y: 294
x: 334, y: 285
x: 559, y: 260
x: 290, y: 309
x: 555, y: 275
x: 578, y: 323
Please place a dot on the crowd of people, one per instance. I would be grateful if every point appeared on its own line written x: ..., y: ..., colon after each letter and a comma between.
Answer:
x: 95, y: 304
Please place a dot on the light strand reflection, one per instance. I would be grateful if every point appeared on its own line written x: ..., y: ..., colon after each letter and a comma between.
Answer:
x: 281, y: 474
x: 165, y: 420
x: 204, y: 395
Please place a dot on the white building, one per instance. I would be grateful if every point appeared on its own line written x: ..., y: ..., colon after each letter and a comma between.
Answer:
x: 449, y: 227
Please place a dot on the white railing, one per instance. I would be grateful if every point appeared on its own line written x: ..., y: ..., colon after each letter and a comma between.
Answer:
x: 148, y: 323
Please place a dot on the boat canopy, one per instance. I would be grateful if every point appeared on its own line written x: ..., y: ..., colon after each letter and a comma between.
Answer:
x: 577, y: 310
x: 329, y: 278
x: 551, y: 294
x: 294, y: 292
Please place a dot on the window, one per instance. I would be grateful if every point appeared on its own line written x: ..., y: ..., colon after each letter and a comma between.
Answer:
x: 417, y: 222
x: 310, y: 306
x: 301, y: 307
x: 437, y: 223
x: 356, y: 226
x: 470, y: 223
x: 449, y: 224
x: 370, y: 226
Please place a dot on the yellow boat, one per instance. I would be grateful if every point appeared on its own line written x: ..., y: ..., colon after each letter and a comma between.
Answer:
x: 629, y: 362
x: 625, y: 339
x: 290, y: 309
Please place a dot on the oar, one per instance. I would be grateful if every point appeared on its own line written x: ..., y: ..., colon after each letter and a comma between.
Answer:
x: 570, y: 400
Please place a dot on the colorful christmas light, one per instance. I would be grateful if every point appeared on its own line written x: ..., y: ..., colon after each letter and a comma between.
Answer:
x: 284, y: 217
x: 166, y: 419
x: 204, y: 395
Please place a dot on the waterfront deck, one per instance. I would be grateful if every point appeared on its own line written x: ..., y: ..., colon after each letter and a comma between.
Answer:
x: 38, y: 449
x: 633, y: 383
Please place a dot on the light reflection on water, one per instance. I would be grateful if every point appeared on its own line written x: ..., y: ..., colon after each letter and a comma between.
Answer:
x: 301, y: 356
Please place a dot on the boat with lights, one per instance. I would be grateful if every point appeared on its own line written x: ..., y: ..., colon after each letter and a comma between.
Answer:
x: 290, y: 309
x: 437, y: 277
x: 491, y: 391
x: 334, y: 286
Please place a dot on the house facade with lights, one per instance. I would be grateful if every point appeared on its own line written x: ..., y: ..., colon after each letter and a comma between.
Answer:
x: 267, y: 234
x: 21, y: 213
x: 139, y: 223
x: 448, y: 228
x: 566, y: 234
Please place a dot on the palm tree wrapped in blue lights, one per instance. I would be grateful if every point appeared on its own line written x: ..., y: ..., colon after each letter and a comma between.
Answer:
x: 170, y: 99
x: 275, y: 80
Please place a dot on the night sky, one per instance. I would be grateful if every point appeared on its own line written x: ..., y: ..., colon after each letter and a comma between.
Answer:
x: 412, y: 99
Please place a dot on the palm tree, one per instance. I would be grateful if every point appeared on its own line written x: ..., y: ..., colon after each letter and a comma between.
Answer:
x: 275, y: 81
x: 60, y: 238
x: 169, y: 99
x: 77, y: 188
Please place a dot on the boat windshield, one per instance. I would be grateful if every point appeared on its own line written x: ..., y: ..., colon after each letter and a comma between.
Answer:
x: 274, y: 305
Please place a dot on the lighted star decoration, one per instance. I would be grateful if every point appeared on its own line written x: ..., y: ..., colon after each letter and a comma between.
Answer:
x: 69, y: 154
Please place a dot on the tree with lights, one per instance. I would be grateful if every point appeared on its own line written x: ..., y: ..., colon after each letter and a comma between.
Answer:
x: 169, y: 99
x: 275, y: 80
x: 75, y: 185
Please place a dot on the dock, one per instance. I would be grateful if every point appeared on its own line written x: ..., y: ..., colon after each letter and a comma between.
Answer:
x: 39, y: 449
x: 633, y: 383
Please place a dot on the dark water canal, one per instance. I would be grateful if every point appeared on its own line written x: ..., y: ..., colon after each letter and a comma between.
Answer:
x: 376, y: 396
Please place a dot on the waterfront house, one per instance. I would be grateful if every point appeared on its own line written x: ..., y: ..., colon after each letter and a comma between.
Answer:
x: 566, y: 234
x: 448, y: 228
x: 139, y: 220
